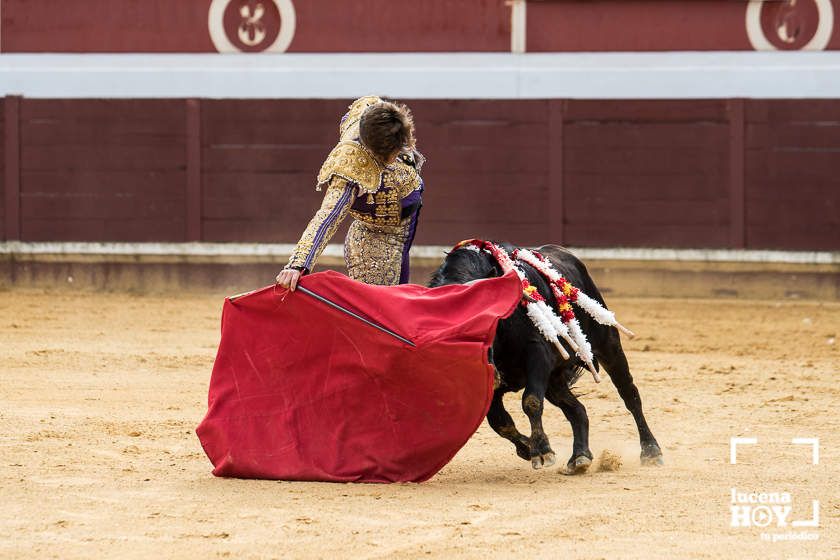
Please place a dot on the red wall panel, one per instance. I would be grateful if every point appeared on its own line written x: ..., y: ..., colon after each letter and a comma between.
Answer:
x: 105, y: 26
x: 687, y: 25
x: 584, y: 173
x: 102, y: 170
x: 321, y: 26
x: 259, y: 163
x: 793, y: 174
x: 646, y: 173
x: 621, y: 25
x: 388, y: 26
x: 487, y: 172
x: 2, y: 169
x: 433, y: 25
x: 11, y: 167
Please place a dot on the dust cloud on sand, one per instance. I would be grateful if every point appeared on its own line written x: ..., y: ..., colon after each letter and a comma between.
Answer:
x: 608, y: 461
x: 101, y: 393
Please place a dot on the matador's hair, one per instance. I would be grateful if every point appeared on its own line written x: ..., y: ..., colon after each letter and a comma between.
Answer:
x: 387, y: 127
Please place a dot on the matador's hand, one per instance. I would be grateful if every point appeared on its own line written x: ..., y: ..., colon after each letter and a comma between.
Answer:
x: 289, y: 278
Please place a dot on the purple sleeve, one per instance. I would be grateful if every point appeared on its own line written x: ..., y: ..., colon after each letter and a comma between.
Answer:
x: 413, y: 198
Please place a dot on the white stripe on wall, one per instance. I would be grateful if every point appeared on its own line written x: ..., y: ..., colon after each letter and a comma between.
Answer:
x: 221, y: 250
x: 670, y: 75
x: 518, y: 26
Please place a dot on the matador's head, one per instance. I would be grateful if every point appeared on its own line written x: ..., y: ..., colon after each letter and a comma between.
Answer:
x: 348, y: 129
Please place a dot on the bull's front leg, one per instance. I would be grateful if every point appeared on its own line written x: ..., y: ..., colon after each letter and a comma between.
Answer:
x: 538, y: 369
x: 503, y: 424
x: 559, y: 395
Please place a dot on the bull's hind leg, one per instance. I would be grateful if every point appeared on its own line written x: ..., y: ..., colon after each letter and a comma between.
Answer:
x: 612, y: 357
x: 560, y: 396
x: 503, y: 424
x: 537, y: 371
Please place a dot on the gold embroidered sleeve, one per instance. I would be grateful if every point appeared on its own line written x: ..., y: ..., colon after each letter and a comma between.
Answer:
x: 337, y: 202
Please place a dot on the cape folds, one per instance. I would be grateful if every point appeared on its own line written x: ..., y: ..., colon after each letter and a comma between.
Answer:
x: 302, y: 391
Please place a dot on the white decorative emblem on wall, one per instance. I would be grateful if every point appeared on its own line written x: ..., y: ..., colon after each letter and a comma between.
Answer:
x: 789, y: 25
x: 251, y: 25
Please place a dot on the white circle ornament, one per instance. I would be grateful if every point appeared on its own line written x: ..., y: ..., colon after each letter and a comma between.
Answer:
x: 759, y: 41
x: 223, y: 44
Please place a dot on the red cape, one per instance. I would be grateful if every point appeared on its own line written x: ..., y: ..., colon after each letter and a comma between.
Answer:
x: 302, y: 391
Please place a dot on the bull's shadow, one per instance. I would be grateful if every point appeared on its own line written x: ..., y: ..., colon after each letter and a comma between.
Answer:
x: 526, y: 360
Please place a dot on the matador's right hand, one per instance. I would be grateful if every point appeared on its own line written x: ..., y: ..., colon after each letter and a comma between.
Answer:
x: 289, y: 278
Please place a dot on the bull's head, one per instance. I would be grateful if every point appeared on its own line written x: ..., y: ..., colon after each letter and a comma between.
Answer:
x: 463, y: 266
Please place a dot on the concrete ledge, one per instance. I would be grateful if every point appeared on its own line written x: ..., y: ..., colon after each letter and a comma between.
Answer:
x: 747, y: 280
x: 233, y: 268
x: 622, y: 75
x: 277, y: 252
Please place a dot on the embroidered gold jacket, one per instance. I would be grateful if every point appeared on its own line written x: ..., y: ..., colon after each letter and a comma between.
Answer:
x: 357, y: 184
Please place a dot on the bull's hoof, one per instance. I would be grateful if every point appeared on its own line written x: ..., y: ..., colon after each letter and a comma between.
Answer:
x: 651, y: 455
x: 577, y: 465
x: 545, y: 460
x: 652, y: 460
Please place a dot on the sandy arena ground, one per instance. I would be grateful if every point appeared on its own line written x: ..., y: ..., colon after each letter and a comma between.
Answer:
x: 101, y: 393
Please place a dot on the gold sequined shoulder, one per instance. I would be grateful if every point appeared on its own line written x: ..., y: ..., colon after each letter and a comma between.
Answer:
x: 350, y: 161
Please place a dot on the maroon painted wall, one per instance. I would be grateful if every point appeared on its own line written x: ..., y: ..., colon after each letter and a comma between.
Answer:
x: 2, y: 169
x: 105, y: 26
x: 432, y: 25
x: 487, y: 174
x: 259, y: 162
x: 694, y: 173
x: 103, y: 170
x: 793, y: 173
x: 321, y: 26
x: 620, y: 25
x: 639, y: 173
x: 686, y: 25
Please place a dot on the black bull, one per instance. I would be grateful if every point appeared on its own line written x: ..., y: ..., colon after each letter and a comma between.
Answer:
x: 525, y: 360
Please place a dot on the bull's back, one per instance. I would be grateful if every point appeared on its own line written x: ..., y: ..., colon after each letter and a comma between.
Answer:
x: 572, y: 268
